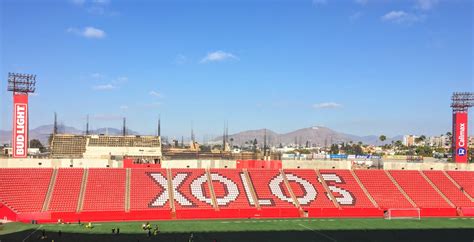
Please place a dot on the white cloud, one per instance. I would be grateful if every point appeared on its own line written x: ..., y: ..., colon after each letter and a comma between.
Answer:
x: 124, y: 107
x: 426, y: 4
x: 361, y: 2
x: 218, y: 56
x: 320, y: 2
x: 401, y: 17
x: 104, y: 87
x: 155, y: 94
x: 88, y: 32
x: 327, y: 105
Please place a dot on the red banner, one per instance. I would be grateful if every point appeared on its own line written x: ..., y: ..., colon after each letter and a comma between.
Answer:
x: 460, y: 138
x: 20, y: 126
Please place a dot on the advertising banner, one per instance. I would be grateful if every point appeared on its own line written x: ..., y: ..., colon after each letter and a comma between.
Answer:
x: 20, y: 126
x: 460, y: 137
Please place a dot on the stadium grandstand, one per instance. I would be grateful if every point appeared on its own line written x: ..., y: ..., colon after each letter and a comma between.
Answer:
x: 121, y: 194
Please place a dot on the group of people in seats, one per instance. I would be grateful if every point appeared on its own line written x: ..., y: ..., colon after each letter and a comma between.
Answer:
x: 147, y: 227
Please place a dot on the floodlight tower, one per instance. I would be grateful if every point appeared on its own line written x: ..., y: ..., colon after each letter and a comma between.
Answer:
x: 21, y: 85
x: 461, y: 102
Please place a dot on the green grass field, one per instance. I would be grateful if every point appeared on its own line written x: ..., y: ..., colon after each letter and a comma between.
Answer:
x: 455, y: 229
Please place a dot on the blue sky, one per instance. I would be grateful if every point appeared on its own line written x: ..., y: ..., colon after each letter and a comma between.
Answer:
x: 358, y: 66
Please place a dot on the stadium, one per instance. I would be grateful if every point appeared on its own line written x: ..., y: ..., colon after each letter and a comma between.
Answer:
x: 361, y: 67
x: 93, y: 184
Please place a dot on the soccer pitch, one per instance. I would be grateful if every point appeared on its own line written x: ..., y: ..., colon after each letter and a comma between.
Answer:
x: 436, y: 229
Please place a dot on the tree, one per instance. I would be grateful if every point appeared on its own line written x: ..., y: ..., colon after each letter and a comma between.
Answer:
x: 382, y: 138
x: 334, y: 149
x: 255, y: 145
x: 205, y: 148
x: 34, y: 143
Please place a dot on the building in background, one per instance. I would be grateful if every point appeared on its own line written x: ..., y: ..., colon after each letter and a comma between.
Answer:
x: 409, y: 140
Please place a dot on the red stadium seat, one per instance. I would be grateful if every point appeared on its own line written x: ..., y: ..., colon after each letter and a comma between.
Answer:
x: 321, y: 199
x: 105, y: 190
x: 448, y: 188
x: 24, y: 189
x: 465, y: 179
x: 192, y: 189
x: 418, y: 189
x: 230, y: 191
x: 382, y: 189
x: 271, y: 192
x: 345, y: 189
x: 66, y: 191
x: 145, y: 189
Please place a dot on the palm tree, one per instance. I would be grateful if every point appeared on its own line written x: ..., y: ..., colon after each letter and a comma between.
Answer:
x: 382, y: 138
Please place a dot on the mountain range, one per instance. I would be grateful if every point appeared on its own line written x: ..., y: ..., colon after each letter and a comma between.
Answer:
x: 315, y: 135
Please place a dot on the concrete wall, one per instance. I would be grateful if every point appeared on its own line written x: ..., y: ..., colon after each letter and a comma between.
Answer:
x: 316, y: 164
x: 287, y: 164
x: 58, y: 163
x: 93, y: 152
x: 427, y: 166
x: 198, y: 164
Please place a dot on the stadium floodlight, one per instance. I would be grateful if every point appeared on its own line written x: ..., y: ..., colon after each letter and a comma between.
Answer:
x: 462, y: 101
x: 21, y: 83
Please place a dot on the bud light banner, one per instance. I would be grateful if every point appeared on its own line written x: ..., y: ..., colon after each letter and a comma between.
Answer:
x: 460, y: 137
x: 20, y: 126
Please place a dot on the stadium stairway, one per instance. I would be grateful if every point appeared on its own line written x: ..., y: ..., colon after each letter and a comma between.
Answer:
x: 290, y: 191
x: 52, y: 183
x: 127, y: 189
x: 80, y: 203
x: 328, y: 191
x: 253, y: 199
x: 210, y: 184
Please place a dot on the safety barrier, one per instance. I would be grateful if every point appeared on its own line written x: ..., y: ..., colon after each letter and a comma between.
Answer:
x: 344, y: 213
x: 468, y: 212
x: 6, y: 213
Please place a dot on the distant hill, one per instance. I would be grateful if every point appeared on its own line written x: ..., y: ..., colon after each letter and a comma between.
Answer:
x: 42, y: 132
x: 316, y: 135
